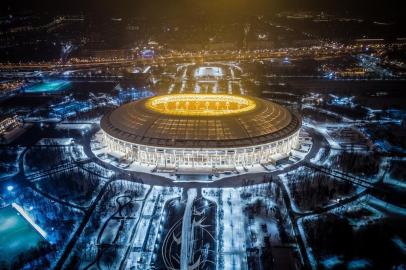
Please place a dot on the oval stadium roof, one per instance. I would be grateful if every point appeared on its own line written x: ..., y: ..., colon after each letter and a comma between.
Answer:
x: 137, y: 122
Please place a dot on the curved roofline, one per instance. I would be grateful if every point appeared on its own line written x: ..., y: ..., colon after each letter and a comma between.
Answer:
x: 140, y: 138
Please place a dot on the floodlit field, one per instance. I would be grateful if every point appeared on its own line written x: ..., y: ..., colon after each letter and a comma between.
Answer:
x: 16, y: 235
x: 48, y: 86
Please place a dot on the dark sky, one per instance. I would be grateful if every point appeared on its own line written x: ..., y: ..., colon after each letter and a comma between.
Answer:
x: 389, y: 9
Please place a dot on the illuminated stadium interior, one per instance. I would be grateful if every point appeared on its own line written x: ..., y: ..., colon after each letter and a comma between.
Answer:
x: 200, y: 105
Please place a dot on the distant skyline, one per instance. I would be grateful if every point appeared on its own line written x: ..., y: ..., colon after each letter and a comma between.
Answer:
x: 389, y: 9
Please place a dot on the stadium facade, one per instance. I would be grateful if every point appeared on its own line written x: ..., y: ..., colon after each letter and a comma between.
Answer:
x: 201, y: 130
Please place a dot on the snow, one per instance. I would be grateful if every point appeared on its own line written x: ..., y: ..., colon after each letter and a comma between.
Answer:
x: 388, y: 178
x: 323, y: 130
x: 12, y: 167
x: 272, y: 231
x: 331, y: 262
x: 78, y: 153
x: 233, y: 233
x: 186, y: 230
x: 400, y: 244
x: 97, y: 169
x: 55, y: 141
x: 346, y: 119
x: 375, y: 202
x: 364, y: 220
x: 110, y: 232
x: 309, y: 250
x: 149, y: 226
x: 293, y: 204
x: 359, y: 264
x: 318, y: 155
x: 142, y: 230
x: 394, y: 182
x: 73, y: 126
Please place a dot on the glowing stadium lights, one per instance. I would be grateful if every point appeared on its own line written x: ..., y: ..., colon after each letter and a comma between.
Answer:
x: 200, y: 105
x: 29, y: 220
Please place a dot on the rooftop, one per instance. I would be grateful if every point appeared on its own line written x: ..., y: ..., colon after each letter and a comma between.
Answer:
x: 200, y: 121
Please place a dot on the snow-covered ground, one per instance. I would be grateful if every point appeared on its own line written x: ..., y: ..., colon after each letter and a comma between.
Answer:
x: 400, y: 244
x: 83, y: 127
x: 148, y: 227
x: 385, y: 206
x: 233, y: 237
x: 316, y: 159
x: 285, y: 182
x: 114, y: 227
x: 388, y: 178
x: 323, y: 130
x: 56, y: 156
x: 55, y: 141
x: 333, y: 262
x: 186, y: 242
x: 262, y: 226
x: 346, y: 119
x: 77, y: 153
x: 97, y: 169
x: 230, y: 227
x: 376, y: 209
x: 10, y: 168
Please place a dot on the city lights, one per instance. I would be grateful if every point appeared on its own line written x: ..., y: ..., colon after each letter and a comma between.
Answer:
x: 206, y: 135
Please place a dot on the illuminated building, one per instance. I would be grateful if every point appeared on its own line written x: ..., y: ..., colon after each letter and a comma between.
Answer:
x: 201, y: 130
x: 9, y: 123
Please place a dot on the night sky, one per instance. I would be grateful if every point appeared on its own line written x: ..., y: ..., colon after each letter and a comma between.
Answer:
x: 374, y: 9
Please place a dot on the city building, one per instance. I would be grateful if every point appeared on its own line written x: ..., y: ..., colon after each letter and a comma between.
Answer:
x: 8, y: 123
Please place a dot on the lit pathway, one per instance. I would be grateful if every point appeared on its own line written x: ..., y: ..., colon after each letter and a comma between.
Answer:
x: 186, y: 230
x: 233, y: 250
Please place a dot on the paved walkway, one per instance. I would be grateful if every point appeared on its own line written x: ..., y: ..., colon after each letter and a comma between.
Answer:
x: 187, y: 231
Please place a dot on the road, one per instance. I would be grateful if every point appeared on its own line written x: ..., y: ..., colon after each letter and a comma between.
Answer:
x: 78, y: 232
x: 186, y: 239
x: 134, y: 232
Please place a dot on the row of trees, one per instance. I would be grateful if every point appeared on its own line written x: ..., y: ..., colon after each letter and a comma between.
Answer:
x: 359, y: 163
x: 74, y: 185
x: 42, y: 158
x: 311, y: 190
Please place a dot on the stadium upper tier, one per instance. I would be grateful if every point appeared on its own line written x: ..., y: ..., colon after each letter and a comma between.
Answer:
x: 200, y: 121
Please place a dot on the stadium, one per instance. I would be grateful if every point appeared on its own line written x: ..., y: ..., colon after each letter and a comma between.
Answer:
x: 201, y: 131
